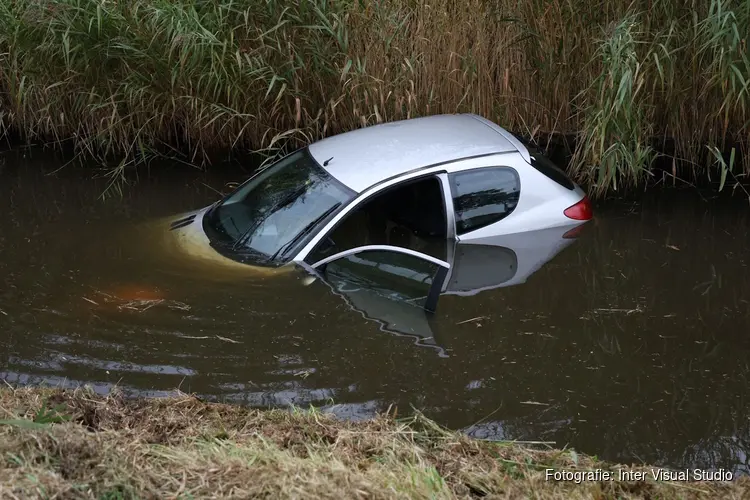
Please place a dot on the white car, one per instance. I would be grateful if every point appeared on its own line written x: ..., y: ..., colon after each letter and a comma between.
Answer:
x: 413, y: 194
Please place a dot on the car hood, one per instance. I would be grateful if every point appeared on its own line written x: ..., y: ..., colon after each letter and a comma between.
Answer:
x: 181, y: 239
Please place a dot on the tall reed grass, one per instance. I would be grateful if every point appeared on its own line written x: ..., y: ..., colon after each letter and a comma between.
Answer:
x: 129, y: 79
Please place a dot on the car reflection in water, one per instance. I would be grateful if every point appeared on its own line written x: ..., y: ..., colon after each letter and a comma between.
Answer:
x: 400, y: 291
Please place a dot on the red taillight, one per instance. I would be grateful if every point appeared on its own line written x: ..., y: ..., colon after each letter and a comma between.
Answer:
x: 580, y: 211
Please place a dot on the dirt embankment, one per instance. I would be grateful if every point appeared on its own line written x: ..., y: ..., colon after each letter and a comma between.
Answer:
x: 75, y: 444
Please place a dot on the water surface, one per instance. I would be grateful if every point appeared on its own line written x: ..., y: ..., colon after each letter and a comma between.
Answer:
x: 631, y: 344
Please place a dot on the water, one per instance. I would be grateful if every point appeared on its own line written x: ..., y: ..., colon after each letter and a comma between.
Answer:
x: 631, y: 344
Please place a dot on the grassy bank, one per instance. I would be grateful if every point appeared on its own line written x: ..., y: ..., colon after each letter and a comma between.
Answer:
x: 79, y: 445
x: 128, y: 79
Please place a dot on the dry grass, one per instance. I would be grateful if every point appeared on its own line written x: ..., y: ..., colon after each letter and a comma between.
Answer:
x: 129, y: 79
x: 56, y: 444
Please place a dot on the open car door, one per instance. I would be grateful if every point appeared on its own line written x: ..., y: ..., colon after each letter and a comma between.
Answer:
x: 394, y: 286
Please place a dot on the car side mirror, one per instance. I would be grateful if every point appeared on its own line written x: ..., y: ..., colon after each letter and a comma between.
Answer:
x: 308, y: 280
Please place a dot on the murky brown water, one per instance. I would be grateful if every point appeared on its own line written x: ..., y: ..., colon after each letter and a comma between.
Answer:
x: 632, y: 344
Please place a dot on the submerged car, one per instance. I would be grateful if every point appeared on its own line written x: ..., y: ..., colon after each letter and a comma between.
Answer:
x: 404, y: 188
x: 431, y: 191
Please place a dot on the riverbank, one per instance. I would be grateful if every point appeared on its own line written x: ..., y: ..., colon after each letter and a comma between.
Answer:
x: 75, y: 444
x: 130, y: 80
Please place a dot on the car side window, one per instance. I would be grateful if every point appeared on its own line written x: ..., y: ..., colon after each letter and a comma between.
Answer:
x: 410, y: 215
x: 483, y: 196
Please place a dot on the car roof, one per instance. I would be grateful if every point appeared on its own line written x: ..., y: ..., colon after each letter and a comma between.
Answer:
x: 366, y: 156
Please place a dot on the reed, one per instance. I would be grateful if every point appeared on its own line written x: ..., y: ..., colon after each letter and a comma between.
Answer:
x: 132, y: 79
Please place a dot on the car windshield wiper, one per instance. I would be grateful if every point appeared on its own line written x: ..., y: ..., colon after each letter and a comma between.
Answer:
x: 305, y: 230
x: 227, y: 246
x: 285, y: 201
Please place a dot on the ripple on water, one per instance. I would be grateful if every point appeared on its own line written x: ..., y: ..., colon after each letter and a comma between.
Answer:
x: 58, y: 361
x: 288, y: 393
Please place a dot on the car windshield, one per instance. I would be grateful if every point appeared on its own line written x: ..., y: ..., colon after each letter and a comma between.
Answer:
x: 272, y: 213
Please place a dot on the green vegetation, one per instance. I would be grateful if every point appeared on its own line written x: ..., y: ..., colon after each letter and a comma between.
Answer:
x: 129, y: 79
x: 58, y: 444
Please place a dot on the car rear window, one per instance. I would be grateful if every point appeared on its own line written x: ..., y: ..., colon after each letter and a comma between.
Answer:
x: 483, y: 196
x: 544, y: 165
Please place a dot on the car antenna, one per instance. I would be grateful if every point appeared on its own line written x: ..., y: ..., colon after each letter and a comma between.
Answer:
x: 325, y: 163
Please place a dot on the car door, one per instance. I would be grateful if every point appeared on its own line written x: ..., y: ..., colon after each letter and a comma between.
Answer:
x: 394, y: 286
x: 414, y: 214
